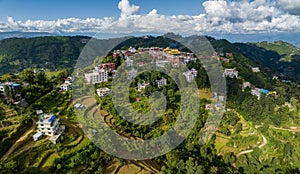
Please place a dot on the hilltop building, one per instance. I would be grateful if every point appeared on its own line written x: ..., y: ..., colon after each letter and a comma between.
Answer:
x: 190, y: 75
x: 49, y: 124
x: 231, y: 73
x: 161, y: 82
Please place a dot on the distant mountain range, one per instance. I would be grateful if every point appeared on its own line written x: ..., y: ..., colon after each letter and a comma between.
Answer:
x: 5, y: 35
x: 290, y: 37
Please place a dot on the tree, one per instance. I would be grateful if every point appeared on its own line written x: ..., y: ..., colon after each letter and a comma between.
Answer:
x: 28, y: 76
x: 61, y: 76
x: 41, y: 78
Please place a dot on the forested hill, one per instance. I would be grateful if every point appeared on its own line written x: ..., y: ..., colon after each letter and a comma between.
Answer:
x: 283, y: 58
x: 51, y: 52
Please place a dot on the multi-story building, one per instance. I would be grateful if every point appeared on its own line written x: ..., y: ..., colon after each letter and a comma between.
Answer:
x: 48, y: 124
x: 190, y: 75
x: 231, y: 73
x: 161, y: 82
x: 97, y: 76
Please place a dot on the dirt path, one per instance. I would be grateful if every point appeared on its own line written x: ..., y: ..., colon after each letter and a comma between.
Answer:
x: 18, y: 142
x: 265, y: 142
x: 284, y: 129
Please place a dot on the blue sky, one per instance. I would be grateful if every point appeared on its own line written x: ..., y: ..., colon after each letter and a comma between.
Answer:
x: 184, y: 17
x: 54, y: 9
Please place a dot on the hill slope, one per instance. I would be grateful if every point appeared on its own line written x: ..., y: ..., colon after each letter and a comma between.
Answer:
x: 51, y: 53
x: 283, y: 58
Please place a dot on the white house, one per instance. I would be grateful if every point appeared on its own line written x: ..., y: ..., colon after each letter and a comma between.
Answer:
x: 190, y: 75
x: 103, y: 92
x: 256, y: 69
x: 37, y: 136
x: 231, y: 73
x: 161, y: 82
x: 142, y: 86
x: 66, y: 87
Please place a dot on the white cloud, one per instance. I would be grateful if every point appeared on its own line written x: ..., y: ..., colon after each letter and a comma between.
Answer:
x: 127, y: 9
x: 291, y: 6
x: 220, y: 17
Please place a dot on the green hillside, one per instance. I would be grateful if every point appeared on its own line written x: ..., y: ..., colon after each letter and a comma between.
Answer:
x: 51, y: 53
x: 285, y: 50
x: 280, y: 57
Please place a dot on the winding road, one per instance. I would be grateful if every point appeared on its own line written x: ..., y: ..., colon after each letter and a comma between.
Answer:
x: 265, y: 142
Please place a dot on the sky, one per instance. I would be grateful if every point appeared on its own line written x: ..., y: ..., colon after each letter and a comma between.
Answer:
x: 184, y: 17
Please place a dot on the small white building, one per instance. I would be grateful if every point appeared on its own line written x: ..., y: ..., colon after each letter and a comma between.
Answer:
x: 2, y: 87
x: 142, y: 86
x: 231, y: 73
x: 79, y: 106
x: 39, y: 112
x: 256, y: 69
x: 190, y: 75
x: 66, y: 87
x: 101, y: 92
x: 37, y: 136
x: 161, y: 82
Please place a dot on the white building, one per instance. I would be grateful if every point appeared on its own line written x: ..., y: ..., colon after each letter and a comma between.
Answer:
x: 97, y: 76
x: 256, y: 69
x: 190, y: 75
x: 256, y: 92
x: 37, y: 136
x: 231, y: 73
x: 103, y: 92
x: 142, y: 86
x: 66, y: 87
x: 48, y: 124
x: 2, y: 88
x: 161, y: 82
